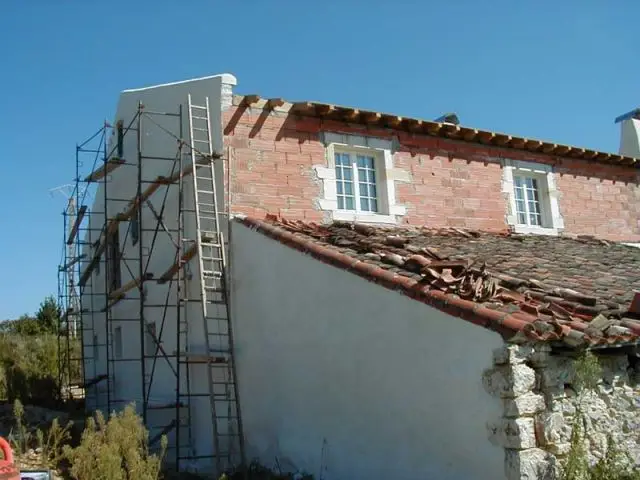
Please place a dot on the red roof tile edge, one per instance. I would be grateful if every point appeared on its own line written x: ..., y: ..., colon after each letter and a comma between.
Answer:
x: 506, y: 324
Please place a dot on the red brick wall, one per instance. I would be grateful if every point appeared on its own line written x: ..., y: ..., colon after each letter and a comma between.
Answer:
x: 453, y: 183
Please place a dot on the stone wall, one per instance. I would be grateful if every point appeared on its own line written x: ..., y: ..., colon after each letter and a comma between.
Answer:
x: 539, y: 398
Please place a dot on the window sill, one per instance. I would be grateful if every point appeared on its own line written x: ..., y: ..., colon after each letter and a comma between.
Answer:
x: 361, y: 217
x: 526, y: 229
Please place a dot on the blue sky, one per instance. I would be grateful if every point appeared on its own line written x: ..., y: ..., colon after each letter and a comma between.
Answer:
x: 553, y: 70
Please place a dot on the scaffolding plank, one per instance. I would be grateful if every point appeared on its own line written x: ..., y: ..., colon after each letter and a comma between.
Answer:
x: 202, y: 358
x: 108, y: 167
x: 136, y: 202
x: 186, y: 257
x: 76, y: 224
x: 129, y: 285
x: 94, y: 381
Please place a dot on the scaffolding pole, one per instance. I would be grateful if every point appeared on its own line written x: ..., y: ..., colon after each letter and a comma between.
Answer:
x: 103, y: 254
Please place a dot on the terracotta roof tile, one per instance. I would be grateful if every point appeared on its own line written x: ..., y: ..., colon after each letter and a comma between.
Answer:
x: 576, y: 291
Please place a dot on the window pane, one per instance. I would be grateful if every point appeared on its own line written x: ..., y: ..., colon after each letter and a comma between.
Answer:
x: 364, y: 204
x: 349, y: 203
x: 361, y: 162
x: 347, y: 174
x: 364, y: 191
x: 522, y: 218
x: 341, y: 202
x: 374, y: 205
x: 338, y: 173
x: 373, y: 191
x: 339, y: 188
x: 534, y: 219
x: 517, y: 181
x: 348, y: 188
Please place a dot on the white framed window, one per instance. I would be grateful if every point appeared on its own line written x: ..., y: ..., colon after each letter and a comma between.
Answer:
x: 117, y: 343
x: 532, y: 198
x: 356, y: 181
x: 359, y: 179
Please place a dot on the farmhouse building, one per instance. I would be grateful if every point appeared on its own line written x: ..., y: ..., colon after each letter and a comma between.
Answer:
x: 352, y: 293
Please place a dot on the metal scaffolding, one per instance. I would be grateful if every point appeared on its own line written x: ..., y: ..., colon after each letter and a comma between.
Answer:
x: 98, y: 306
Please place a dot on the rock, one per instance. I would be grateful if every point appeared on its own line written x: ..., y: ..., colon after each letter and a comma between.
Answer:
x: 530, y: 464
x: 511, y: 354
x: 524, y: 405
x: 516, y: 433
x: 509, y: 381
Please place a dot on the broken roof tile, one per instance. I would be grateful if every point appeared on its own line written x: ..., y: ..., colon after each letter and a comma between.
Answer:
x: 576, y: 291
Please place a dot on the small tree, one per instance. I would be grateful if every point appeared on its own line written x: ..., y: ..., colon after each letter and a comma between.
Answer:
x: 48, y: 316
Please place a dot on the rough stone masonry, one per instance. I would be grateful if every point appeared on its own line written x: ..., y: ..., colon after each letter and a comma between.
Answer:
x: 539, y: 400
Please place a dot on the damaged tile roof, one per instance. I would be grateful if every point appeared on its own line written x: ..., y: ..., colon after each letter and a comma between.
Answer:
x: 573, y: 291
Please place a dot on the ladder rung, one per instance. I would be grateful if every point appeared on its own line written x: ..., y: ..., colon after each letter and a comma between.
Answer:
x: 198, y: 106
x: 201, y: 129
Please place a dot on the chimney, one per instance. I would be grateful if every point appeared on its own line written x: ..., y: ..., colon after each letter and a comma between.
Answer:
x: 630, y: 133
x: 634, y: 308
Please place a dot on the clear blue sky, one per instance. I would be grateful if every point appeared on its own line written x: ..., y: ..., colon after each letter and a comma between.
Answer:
x: 555, y: 70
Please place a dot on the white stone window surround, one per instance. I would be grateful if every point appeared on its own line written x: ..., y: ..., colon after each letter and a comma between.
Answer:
x: 386, y: 176
x: 549, y: 195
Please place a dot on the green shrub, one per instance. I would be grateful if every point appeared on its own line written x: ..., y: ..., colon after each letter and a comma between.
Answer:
x: 116, y: 449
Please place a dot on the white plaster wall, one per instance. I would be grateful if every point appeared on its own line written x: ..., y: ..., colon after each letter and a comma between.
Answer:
x: 342, y: 376
x: 630, y: 138
x: 121, y: 188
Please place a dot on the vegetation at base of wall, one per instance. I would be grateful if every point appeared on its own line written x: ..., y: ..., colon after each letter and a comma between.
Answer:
x: 255, y: 471
x: 30, y: 357
x: 115, y: 449
x: 38, y: 448
x: 615, y: 464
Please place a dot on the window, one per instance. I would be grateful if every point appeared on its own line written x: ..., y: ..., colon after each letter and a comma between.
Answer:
x: 95, y: 350
x: 120, y: 140
x: 150, y: 340
x: 113, y: 260
x: 532, y: 198
x: 356, y: 185
x: 527, y: 193
x: 359, y: 179
x: 135, y: 229
x: 117, y: 343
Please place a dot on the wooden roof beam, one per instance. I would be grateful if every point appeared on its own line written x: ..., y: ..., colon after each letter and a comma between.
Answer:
x: 351, y: 115
x: 250, y: 100
x: 533, y: 145
x: 273, y: 103
x: 371, y: 118
x: 392, y: 121
x: 303, y: 108
x: 469, y: 134
x: 485, y: 137
x: 501, y: 139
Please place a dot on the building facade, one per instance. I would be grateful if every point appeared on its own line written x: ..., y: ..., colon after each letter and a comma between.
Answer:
x: 320, y: 164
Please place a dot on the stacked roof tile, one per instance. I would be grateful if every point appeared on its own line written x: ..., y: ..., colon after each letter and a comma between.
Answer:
x: 574, y: 291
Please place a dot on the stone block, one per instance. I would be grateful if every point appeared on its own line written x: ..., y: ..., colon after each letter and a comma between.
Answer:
x: 509, y: 381
x: 552, y: 429
x: 531, y: 464
x: 510, y: 354
x: 525, y: 405
x: 523, y: 379
x: 518, y: 433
